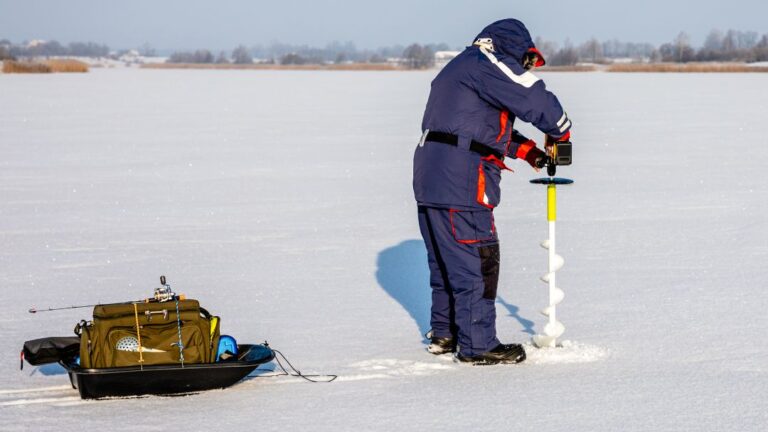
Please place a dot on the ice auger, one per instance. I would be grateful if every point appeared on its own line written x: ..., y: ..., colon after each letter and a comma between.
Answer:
x: 554, y: 328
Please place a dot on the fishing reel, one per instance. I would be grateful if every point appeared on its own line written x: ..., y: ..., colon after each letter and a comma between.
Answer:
x: 164, y: 293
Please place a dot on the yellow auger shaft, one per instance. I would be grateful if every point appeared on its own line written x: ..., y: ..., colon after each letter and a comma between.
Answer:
x: 551, y: 202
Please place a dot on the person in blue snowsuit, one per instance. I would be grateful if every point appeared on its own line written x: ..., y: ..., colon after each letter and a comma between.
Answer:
x: 467, y: 135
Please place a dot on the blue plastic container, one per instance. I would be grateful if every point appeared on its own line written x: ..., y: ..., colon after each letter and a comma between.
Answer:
x: 226, y: 344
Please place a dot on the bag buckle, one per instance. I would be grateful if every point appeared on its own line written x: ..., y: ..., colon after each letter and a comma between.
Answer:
x: 149, y: 314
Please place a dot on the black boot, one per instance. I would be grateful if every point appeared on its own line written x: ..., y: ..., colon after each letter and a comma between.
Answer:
x: 503, y: 353
x: 441, y: 345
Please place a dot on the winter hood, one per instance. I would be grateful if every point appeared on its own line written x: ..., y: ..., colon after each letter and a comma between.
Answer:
x: 509, y: 37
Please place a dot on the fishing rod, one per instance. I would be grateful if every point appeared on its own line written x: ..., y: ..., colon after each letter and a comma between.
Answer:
x: 50, y: 309
x: 162, y: 294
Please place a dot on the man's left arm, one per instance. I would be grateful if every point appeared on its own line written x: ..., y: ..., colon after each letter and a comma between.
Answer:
x: 521, y: 147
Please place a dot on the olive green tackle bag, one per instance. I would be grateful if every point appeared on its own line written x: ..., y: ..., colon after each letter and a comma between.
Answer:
x: 174, y: 332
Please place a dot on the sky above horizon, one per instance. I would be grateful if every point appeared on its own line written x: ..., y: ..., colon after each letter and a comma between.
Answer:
x: 224, y: 24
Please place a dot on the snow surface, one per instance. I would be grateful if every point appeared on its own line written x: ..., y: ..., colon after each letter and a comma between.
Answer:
x: 282, y: 200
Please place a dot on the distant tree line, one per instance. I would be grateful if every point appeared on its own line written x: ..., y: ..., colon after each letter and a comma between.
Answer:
x: 52, y: 48
x: 733, y: 45
x: 240, y: 55
x: 334, y: 52
x: 414, y: 56
x: 199, y: 56
x: 5, y: 52
x: 718, y: 46
x: 418, y: 57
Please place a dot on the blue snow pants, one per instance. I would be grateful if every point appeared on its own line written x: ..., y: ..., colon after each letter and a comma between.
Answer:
x: 463, y: 257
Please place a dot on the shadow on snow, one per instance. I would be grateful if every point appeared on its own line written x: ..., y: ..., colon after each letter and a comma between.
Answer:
x: 514, y: 312
x: 403, y: 273
x: 49, y: 369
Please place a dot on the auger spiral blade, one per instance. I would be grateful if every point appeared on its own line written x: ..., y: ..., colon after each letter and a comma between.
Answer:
x: 556, y: 263
x: 552, y: 331
x: 554, y: 328
x: 542, y: 341
x: 556, y: 296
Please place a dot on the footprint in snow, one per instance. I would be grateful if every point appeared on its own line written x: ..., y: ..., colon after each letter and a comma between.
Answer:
x: 388, y: 368
x: 566, y: 352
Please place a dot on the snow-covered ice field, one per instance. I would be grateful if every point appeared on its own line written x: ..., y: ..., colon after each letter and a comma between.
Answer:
x: 282, y: 200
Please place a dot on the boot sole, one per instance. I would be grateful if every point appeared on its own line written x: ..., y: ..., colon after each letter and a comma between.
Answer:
x: 487, y: 362
x: 438, y: 350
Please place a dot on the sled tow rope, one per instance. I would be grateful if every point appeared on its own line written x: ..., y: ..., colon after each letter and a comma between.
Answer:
x: 138, y: 335
x: 178, y: 326
x: 292, y: 371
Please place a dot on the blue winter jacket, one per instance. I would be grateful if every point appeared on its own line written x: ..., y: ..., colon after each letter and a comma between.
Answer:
x: 477, y: 96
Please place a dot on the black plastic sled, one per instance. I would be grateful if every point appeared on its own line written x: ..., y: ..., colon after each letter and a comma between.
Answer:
x: 166, y: 379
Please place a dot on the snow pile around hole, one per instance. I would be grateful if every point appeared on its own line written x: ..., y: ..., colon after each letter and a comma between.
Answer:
x: 566, y: 352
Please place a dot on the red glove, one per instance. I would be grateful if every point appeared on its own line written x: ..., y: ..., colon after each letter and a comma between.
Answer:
x: 532, y: 154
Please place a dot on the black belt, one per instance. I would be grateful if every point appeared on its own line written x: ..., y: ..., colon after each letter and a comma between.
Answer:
x: 451, y: 139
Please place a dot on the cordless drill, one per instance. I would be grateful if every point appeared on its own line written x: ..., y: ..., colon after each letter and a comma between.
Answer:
x: 558, y: 153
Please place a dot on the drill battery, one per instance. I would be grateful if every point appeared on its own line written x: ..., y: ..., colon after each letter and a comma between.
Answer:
x: 561, y: 153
